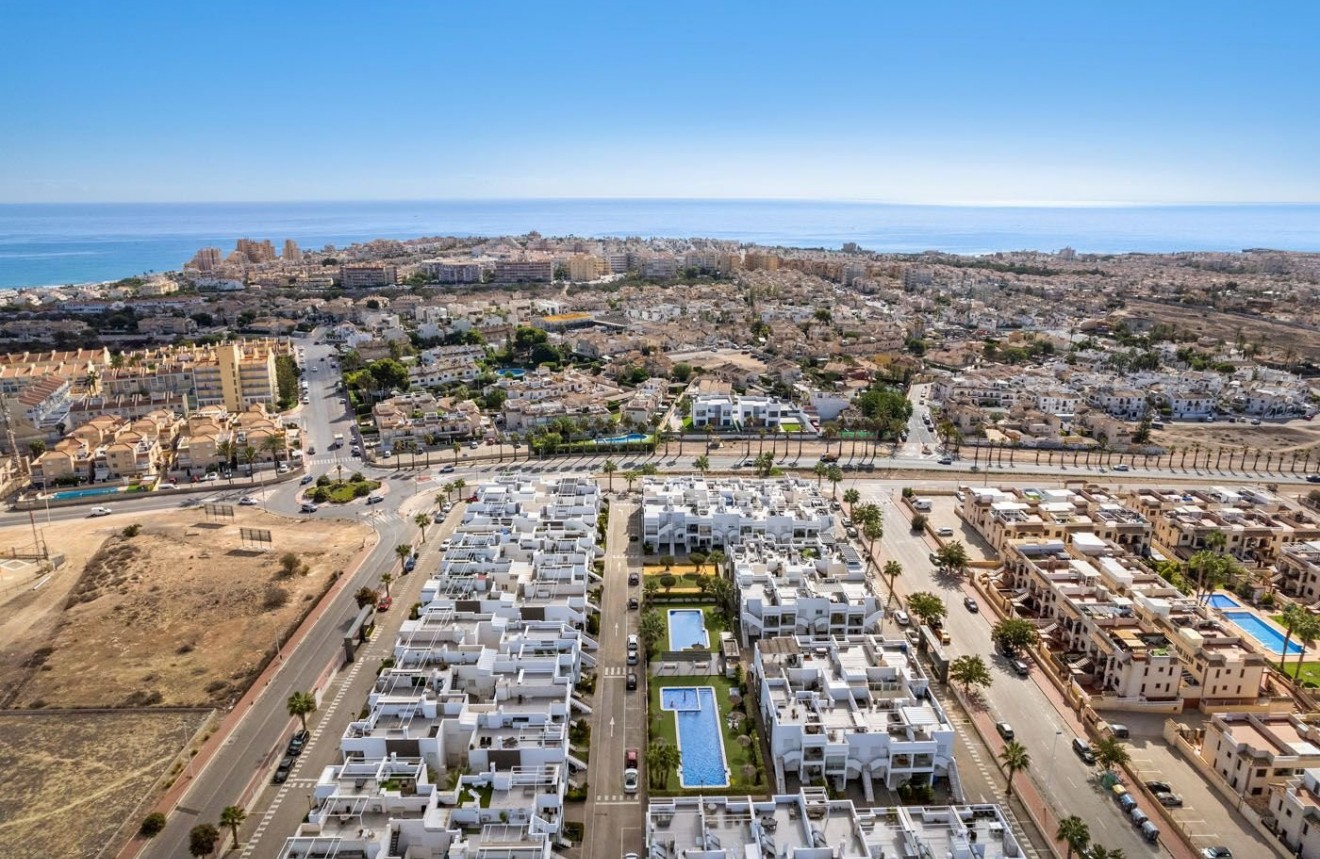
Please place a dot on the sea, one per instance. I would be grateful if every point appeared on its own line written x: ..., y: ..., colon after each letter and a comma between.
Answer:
x: 55, y: 244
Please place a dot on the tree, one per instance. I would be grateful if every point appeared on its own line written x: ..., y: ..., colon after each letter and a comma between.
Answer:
x: 1074, y: 832
x: 835, y: 476
x: 650, y: 587
x: 952, y: 557
x: 651, y: 630
x: 697, y: 560
x: 233, y: 817
x: 202, y: 839
x: 388, y: 375
x: 366, y: 596
x: 1015, y: 759
x: 609, y: 468
x: 891, y: 571
x: 1110, y: 753
x: 851, y: 496
x: 702, y: 464
x: 970, y: 670
x: 300, y: 704
x: 1099, y: 852
x: 1013, y: 634
x: 661, y: 760
x: 928, y: 608
x: 404, y: 552
x: 36, y: 448
x: 385, y: 579
x: 152, y: 825
x: 421, y: 520
x: 1307, y: 632
x: 919, y: 523
x: 275, y: 445
x: 631, y: 477
x: 1293, y: 616
x: 820, y: 469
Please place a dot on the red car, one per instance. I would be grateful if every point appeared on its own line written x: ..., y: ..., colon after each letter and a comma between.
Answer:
x: 384, y: 603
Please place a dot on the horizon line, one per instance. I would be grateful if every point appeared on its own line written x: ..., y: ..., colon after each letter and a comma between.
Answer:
x: 857, y: 201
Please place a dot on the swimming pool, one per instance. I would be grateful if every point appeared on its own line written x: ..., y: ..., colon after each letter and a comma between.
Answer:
x: 687, y: 628
x: 1262, y: 632
x: 700, y: 741
x: 630, y: 438
x: 66, y: 494
x: 1222, y: 601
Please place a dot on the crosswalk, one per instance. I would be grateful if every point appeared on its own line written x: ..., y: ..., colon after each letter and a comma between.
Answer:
x: 615, y: 671
x: 616, y: 799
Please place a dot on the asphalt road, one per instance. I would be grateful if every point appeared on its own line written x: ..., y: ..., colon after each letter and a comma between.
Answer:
x: 614, y: 818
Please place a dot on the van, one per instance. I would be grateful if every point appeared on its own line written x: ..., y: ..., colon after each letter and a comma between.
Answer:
x: 922, y: 504
x: 1150, y: 832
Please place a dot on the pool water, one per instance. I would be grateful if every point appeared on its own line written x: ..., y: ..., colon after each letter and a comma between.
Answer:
x: 700, y: 741
x: 85, y: 493
x: 1222, y: 601
x: 687, y: 628
x: 1262, y: 632
x: 630, y: 438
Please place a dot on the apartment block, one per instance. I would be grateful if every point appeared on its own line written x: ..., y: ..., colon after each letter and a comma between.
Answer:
x: 1298, y: 568
x: 367, y: 276
x: 1295, y: 805
x: 236, y: 375
x: 465, y: 746
x: 524, y: 271
x: 1253, y: 752
x: 741, y: 412
x: 1256, y: 524
x: 457, y: 271
x: 850, y: 708
x: 812, y: 590
x: 810, y: 825
x: 418, y: 418
x: 686, y: 514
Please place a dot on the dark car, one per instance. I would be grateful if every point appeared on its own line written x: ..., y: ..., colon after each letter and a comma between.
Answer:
x: 633, y: 605
x: 971, y: 604
x: 632, y: 681
x: 410, y: 564
x: 1005, y: 730
x: 1082, y: 749
x: 1313, y: 478
x: 298, y: 742
x: 282, y: 771
x: 634, y: 579
x: 1159, y: 787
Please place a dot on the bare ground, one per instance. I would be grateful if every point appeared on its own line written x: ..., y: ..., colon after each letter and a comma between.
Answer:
x: 179, y: 615
x: 71, y: 780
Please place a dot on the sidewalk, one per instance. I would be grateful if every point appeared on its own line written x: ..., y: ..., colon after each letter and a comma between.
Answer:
x: 173, y: 796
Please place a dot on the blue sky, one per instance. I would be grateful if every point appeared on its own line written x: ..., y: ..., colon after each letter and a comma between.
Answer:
x: 933, y: 102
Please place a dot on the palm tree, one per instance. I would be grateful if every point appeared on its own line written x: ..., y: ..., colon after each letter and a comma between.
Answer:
x: 835, y: 476
x: 609, y: 468
x: 702, y: 464
x: 820, y: 469
x: 385, y: 579
x: 233, y: 817
x: 403, y: 551
x: 227, y: 451
x: 250, y: 455
x: 851, y: 497
x: 716, y: 560
x: 1015, y: 759
x: 1306, y: 632
x: 457, y: 449
x: 459, y: 485
x: 421, y: 520
x: 300, y: 704
x: 970, y: 670
x: 1110, y: 753
x: 1074, y: 832
x: 891, y: 571
x: 872, y: 530
x: 661, y: 760
x: 1099, y: 852
x: 631, y: 476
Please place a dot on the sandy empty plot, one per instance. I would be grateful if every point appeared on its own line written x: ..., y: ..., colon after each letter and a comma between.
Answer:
x: 180, y: 614
x: 72, y: 779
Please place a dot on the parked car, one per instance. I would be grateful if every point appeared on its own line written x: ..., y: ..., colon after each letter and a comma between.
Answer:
x: 384, y: 603
x: 632, y: 681
x: 99, y: 511
x: 633, y: 605
x: 1169, y: 800
x: 1005, y: 730
x: 946, y: 460
x: 282, y: 771
x: 971, y: 605
x: 1020, y: 668
x: 1216, y: 853
x: 634, y: 579
x: 1082, y: 749
x: 298, y: 742
x: 901, y: 618
x: 1120, y: 731
x: 944, y: 532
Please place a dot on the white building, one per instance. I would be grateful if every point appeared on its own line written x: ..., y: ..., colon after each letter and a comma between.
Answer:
x: 1296, y: 808
x: 684, y: 514
x: 731, y: 411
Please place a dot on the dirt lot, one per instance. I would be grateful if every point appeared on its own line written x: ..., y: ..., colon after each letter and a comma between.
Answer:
x: 1276, y: 338
x: 179, y: 615
x: 71, y: 779
x: 1297, y: 435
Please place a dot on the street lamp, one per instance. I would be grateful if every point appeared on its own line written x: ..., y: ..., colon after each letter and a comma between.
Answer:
x: 1054, y: 748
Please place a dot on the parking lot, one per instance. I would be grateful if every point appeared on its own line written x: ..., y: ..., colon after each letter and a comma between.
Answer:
x: 1208, y: 818
x: 942, y: 515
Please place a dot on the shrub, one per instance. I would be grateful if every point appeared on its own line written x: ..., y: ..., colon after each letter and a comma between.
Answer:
x: 152, y: 825
x: 919, y: 522
x: 667, y: 581
x: 131, y: 531
x: 274, y: 597
x: 908, y: 492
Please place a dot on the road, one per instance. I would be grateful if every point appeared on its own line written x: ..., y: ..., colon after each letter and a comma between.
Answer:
x: 1020, y: 701
x: 614, y: 819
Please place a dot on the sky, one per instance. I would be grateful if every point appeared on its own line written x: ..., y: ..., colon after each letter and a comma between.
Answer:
x: 934, y: 102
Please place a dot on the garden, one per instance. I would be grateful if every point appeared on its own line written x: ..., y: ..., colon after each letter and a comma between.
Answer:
x: 342, y: 491
x: 742, y: 748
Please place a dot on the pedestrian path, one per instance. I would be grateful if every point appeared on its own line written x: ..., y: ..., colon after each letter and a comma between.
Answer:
x: 616, y: 799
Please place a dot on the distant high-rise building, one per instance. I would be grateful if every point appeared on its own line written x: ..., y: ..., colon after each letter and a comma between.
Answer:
x: 291, y: 251
x: 256, y: 252
x: 206, y: 259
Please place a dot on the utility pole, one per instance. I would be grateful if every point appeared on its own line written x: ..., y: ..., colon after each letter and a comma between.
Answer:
x: 10, y: 440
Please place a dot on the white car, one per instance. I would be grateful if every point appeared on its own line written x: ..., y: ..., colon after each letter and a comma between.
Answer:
x: 99, y: 511
x: 630, y: 780
x: 211, y: 477
x: 247, y: 501
x: 901, y: 618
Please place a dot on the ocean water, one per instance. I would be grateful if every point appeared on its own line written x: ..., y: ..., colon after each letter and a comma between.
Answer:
x: 77, y: 243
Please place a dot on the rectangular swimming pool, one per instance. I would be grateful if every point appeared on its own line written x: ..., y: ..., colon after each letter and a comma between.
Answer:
x: 1222, y: 601
x: 700, y: 741
x: 1262, y: 632
x: 687, y: 628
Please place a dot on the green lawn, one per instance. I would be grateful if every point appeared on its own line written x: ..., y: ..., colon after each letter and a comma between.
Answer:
x: 663, y: 726
x: 714, y: 619
x: 342, y: 492
x: 1310, y: 673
